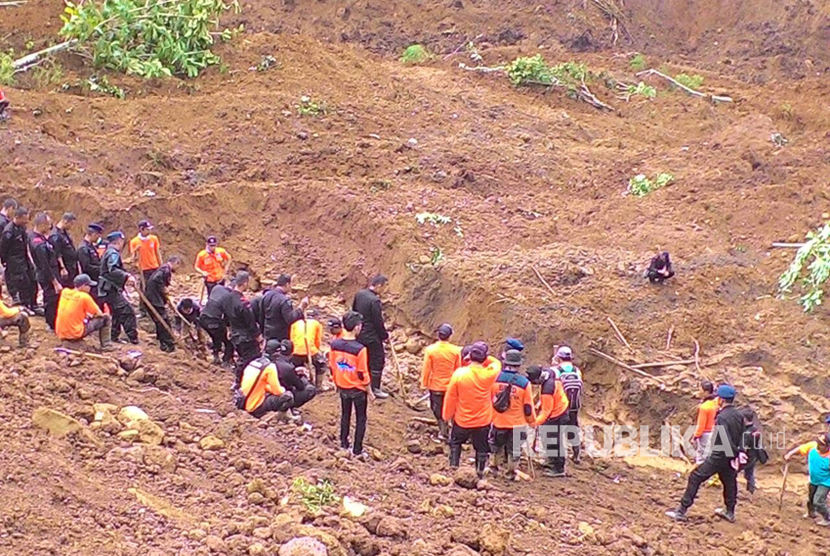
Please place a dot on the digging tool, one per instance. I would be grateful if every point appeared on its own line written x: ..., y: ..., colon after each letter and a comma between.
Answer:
x: 783, y: 486
x: 202, y: 293
x: 398, y: 372
x: 157, y: 316
x: 312, y: 371
x: 67, y: 351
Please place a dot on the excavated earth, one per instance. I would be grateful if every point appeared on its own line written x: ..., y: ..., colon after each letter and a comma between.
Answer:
x: 531, y: 180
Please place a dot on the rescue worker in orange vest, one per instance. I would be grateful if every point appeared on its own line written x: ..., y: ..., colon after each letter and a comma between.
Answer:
x: 510, y: 424
x: 212, y: 263
x: 261, y: 389
x: 335, y: 328
x: 14, y: 317
x: 553, y: 418
x: 706, y: 413
x: 145, y: 249
x: 468, y: 404
x: 441, y: 359
x: 307, y: 336
x: 79, y: 315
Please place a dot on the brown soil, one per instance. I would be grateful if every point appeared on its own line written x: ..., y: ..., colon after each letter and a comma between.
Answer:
x: 529, y: 179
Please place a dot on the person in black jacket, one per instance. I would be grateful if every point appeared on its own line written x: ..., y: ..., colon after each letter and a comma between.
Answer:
x: 659, y: 270
x: 17, y: 261
x: 373, y: 334
x: 156, y: 294
x: 46, y: 267
x: 293, y: 381
x: 112, y: 281
x: 7, y: 212
x: 65, y: 249
x: 724, y: 460
x: 278, y: 313
x: 753, y: 443
x: 245, y: 333
x: 215, y: 323
x: 88, y: 258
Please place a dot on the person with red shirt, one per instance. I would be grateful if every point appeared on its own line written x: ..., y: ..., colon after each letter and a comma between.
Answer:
x: 518, y: 414
x: 212, y: 263
x: 553, y: 417
x: 441, y: 359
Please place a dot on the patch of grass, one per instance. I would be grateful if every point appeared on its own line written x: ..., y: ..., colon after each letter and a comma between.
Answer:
x: 47, y: 74
x: 641, y: 89
x: 638, y: 62
x: 311, y: 107
x: 415, y: 54
x: 267, y: 62
x: 315, y: 497
x: 690, y: 81
x: 436, y: 255
x: 6, y: 68
x: 100, y: 84
x: 640, y: 185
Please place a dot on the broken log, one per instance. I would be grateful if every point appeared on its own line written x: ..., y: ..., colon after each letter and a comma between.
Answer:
x: 619, y: 334
x: 543, y: 280
x: 625, y: 365
x: 714, y: 98
x: 662, y: 364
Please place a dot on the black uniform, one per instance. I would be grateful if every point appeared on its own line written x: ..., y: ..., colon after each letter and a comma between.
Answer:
x: 278, y: 314
x: 112, y: 279
x: 156, y: 293
x: 66, y: 252
x: 47, y: 272
x: 660, y: 268
x: 4, y: 221
x: 298, y: 385
x: 90, y: 263
x: 373, y: 332
x: 215, y: 323
x: 244, y: 330
x: 192, y: 317
x: 19, y: 271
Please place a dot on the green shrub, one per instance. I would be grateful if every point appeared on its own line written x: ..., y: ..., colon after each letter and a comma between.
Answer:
x: 637, y: 62
x: 315, y: 497
x: 640, y: 185
x: 530, y: 70
x: 817, y: 251
x: 690, y: 81
x: 311, y: 107
x: 640, y: 89
x: 415, y: 54
x: 6, y: 68
x: 100, y: 84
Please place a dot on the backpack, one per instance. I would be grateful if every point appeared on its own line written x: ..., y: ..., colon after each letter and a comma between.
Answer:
x: 240, y: 399
x: 501, y: 401
x: 572, y: 385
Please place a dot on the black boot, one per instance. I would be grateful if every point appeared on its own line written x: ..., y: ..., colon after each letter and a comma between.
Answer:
x: 455, y: 456
x: 481, y: 463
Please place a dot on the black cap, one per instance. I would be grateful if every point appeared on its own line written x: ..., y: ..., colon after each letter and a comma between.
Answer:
x: 272, y: 346
x: 83, y: 280
x: 95, y: 227
x: 145, y: 224
x: 445, y: 330
x: 335, y: 323
x: 69, y: 216
x: 286, y: 347
x: 513, y: 358
x: 211, y: 240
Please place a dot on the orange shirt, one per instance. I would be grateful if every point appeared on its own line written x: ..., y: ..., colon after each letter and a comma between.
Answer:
x: 441, y: 359
x: 706, y: 413
x: 74, y: 307
x: 7, y: 312
x: 493, y: 363
x: 804, y: 449
x: 515, y: 416
x: 213, y: 263
x: 468, y: 401
x: 147, y: 252
x: 269, y: 383
x: 299, y: 336
x: 349, y: 364
x: 553, y: 404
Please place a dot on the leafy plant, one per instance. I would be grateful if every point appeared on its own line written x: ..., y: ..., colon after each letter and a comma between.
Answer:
x: 436, y: 255
x: 690, y: 81
x: 638, y: 62
x: 415, y: 54
x: 640, y: 185
x: 529, y: 70
x: 640, y: 89
x: 149, y: 38
x: 6, y: 68
x: 817, y: 251
x: 100, y: 84
x: 267, y: 62
x: 310, y: 107
x: 432, y: 218
x: 315, y: 497
x: 48, y: 73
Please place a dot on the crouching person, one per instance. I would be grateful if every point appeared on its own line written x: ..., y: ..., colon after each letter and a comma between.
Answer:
x: 80, y: 316
x: 260, y: 391
x: 14, y: 317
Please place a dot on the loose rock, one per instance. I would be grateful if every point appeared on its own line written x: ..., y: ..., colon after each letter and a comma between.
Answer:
x: 466, y: 477
x: 210, y: 442
x: 437, y: 479
x: 303, y: 546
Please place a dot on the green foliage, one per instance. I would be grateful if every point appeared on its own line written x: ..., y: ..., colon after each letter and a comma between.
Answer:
x: 813, y: 275
x: 640, y: 185
x: 311, y: 107
x: 436, y: 255
x: 6, y: 68
x: 640, y: 89
x: 690, y: 81
x: 48, y: 73
x: 149, y: 38
x: 432, y: 218
x: 415, y: 54
x: 315, y: 497
x: 267, y: 62
x: 533, y: 70
x: 100, y: 84
x: 638, y: 62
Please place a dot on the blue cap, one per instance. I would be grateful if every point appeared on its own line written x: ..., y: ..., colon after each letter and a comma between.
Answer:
x: 115, y: 236
x: 827, y: 420
x: 726, y: 392
x: 513, y: 343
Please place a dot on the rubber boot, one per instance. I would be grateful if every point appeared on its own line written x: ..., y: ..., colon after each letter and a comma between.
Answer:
x: 577, y: 450
x: 105, y: 335
x: 481, y: 464
x: 498, y: 459
x: 511, y: 467
x: 455, y: 456
x: 23, y: 339
x: 443, y: 431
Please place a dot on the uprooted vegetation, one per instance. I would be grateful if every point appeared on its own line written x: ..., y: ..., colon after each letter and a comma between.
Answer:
x: 810, y: 269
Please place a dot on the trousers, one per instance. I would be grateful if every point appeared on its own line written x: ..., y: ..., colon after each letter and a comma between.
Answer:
x: 713, y: 466
x: 357, y: 400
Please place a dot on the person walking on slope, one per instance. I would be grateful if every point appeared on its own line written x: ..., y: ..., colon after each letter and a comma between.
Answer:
x: 468, y: 404
x: 65, y: 249
x: 441, y: 359
x: 278, y: 312
x: 15, y: 254
x: 246, y: 336
x: 513, y: 413
x: 818, y: 461
x: 14, y: 317
x: 706, y: 413
x: 212, y: 263
x: 553, y: 418
x: 156, y: 294
x: 46, y: 266
x: 88, y: 258
x: 260, y: 390
x: 373, y: 332
x: 571, y: 378
x: 349, y: 364
x: 724, y: 459
x: 215, y: 323
x: 79, y: 316
x: 113, y: 280
x: 307, y: 337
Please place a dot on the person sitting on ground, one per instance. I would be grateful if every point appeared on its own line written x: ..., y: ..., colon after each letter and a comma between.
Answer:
x: 79, y: 315
x: 660, y: 268
x: 292, y: 377
x: 706, y: 412
x: 14, y: 317
x: 260, y: 390
x: 553, y: 417
x: 307, y: 336
x: 349, y: 365
x: 441, y: 359
x: 513, y: 409
x: 818, y: 461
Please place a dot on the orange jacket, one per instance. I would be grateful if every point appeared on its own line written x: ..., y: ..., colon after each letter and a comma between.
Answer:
x: 349, y: 364
x: 268, y: 383
x: 554, y: 401
x: 213, y: 263
x: 148, y: 252
x: 299, y: 337
x: 468, y: 400
x: 706, y: 413
x: 493, y: 363
x: 74, y: 307
x: 521, y: 411
x: 441, y: 359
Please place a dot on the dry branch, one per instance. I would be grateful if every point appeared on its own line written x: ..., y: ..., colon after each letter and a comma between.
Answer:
x: 24, y: 63
x: 779, y: 245
x: 624, y: 365
x: 714, y: 98
x: 662, y: 364
x: 12, y: 4
x: 543, y: 280
x: 697, y: 356
x: 619, y: 334
x: 668, y: 338
x: 481, y: 69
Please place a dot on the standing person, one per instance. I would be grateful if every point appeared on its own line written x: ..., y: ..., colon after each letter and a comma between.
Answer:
x: 349, y: 364
x: 553, y: 416
x: 215, y: 323
x: 373, y: 330
x: 212, y: 263
x: 113, y: 279
x: 278, y: 313
x: 706, y: 413
x: 7, y: 212
x: 818, y: 462
x: 469, y: 405
x: 156, y: 294
x: 17, y: 260
x: 722, y: 461
x: 571, y: 378
x: 88, y: 258
x: 307, y: 337
x: 245, y: 334
x: 441, y: 359
x: 65, y: 249
x: 335, y: 328
x: 79, y: 316
x: 145, y: 250
x: 46, y: 266
x: 753, y: 443
x: 16, y: 318
x: 513, y: 409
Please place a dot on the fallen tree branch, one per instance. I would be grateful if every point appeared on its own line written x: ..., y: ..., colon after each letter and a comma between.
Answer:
x: 697, y: 356
x: 662, y: 364
x: 714, y: 98
x: 22, y: 64
x: 543, y: 280
x: 619, y: 334
x: 668, y: 338
x: 779, y: 245
x: 12, y: 4
x: 625, y: 366
x: 586, y: 95
x: 481, y: 69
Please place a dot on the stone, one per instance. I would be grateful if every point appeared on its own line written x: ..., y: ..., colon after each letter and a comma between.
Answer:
x: 414, y: 447
x: 257, y: 485
x: 256, y: 498
x: 210, y: 443
x: 352, y: 508
x: 164, y: 458
x: 215, y: 544
x: 60, y: 425
x: 130, y: 435
x: 103, y: 415
x: 303, y: 546
x: 131, y: 413
x: 196, y: 534
x: 392, y: 527
x: 437, y: 479
x: 257, y: 549
x: 466, y: 536
x: 413, y: 346
x: 83, y: 394
x: 444, y: 511
x: 466, y: 477
x: 148, y: 432
x: 262, y: 533
x: 493, y: 539
x: 461, y: 550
